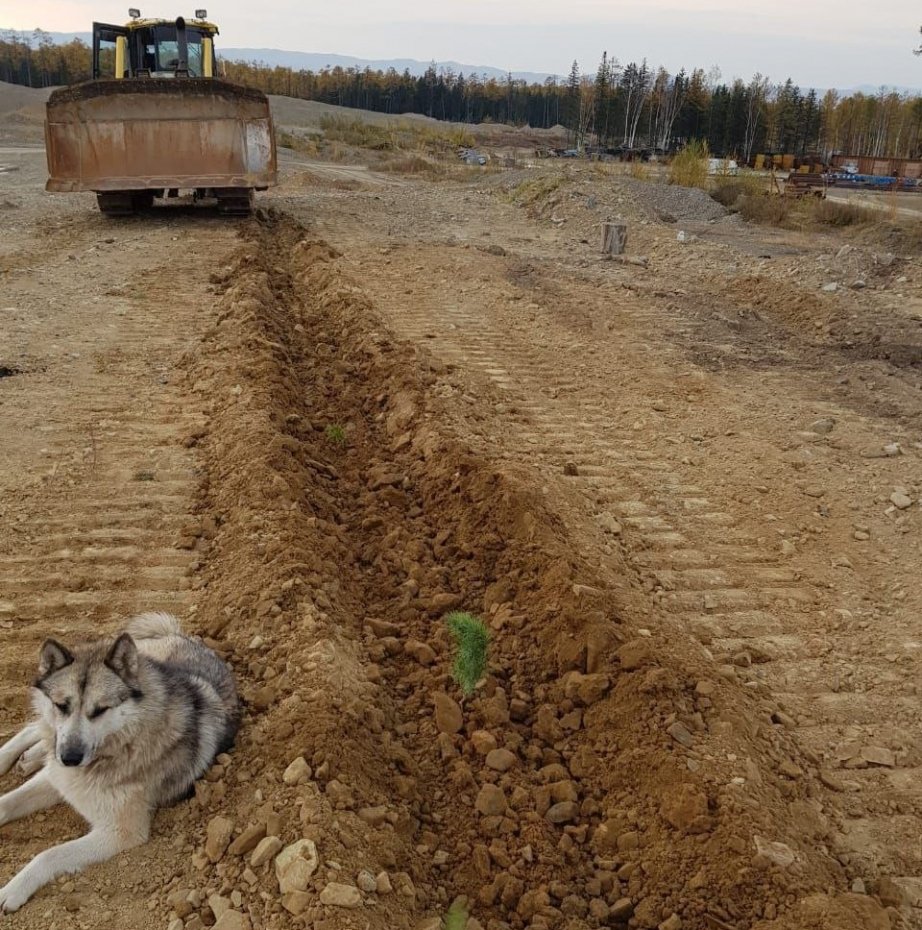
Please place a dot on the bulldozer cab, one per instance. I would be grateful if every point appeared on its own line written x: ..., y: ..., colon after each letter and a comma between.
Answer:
x: 154, y: 48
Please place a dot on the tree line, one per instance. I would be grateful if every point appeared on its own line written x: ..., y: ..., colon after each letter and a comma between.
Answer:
x: 629, y: 106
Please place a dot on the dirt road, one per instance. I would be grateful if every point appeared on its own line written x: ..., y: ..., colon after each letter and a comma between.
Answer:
x: 677, y: 493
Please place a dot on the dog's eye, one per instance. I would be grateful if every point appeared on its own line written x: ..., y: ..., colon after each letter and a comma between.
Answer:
x: 97, y: 712
x: 64, y: 707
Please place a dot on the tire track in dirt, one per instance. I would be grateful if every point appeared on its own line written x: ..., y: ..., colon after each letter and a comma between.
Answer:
x: 98, y: 484
x: 700, y: 563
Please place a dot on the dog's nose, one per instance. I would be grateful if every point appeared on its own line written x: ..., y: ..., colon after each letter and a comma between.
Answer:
x: 72, y: 756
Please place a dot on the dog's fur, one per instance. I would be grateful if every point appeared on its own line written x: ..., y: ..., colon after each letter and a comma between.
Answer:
x: 122, y: 727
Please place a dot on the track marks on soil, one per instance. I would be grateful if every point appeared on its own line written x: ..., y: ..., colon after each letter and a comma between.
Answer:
x: 703, y: 565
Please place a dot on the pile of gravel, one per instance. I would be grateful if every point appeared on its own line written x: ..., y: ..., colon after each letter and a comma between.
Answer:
x: 673, y: 203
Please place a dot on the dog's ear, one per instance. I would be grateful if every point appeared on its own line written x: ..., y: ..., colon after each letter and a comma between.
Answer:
x: 123, y: 658
x: 53, y: 656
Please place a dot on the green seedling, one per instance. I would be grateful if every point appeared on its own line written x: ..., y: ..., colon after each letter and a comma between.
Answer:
x: 336, y: 434
x: 472, y: 640
x: 456, y: 917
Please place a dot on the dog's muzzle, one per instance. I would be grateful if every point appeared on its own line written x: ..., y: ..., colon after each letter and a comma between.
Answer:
x: 71, y: 755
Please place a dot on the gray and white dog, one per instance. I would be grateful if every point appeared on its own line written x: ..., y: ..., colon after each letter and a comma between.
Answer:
x: 122, y: 727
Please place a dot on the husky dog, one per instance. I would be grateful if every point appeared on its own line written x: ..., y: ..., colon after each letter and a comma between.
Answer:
x: 122, y: 727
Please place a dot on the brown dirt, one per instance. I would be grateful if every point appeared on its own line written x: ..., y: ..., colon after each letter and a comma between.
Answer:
x: 612, y: 465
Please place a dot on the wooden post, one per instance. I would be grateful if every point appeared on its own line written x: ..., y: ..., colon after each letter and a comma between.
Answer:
x: 614, y: 238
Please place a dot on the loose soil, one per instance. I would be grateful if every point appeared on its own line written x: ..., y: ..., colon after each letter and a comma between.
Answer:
x: 666, y: 489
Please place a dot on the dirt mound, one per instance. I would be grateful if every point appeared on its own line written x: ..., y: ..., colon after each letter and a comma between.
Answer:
x: 600, y: 776
x: 15, y: 97
x: 672, y: 203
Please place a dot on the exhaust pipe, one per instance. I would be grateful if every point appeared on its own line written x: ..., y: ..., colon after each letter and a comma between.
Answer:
x: 182, y: 48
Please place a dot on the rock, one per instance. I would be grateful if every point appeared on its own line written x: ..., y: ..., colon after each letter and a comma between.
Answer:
x: 366, y: 881
x: 900, y: 500
x: 483, y: 741
x: 178, y: 900
x: 338, y: 895
x: 825, y: 912
x: 374, y: 816
x: 831, y: 288
x: 295, y: 865
x: 491, y: 801
x: 823, y: 427
x: 878, y: 755
x: 680, y: 733
x: 218, y: 904
x: 628, y: 841
x: 609, y: 524
x: 297, y: 772
x: 687, y: 810
x: 297, y: 902
x: 586, y: 689
x: 570, y: 470
x: 790, y: 769
x: 621, y: 910
x: 501, y: 760
x: 599, y: 909
x: 266, y: 849
x: 421, y: 652
x: 217, y: 837
x: 771, y: 853
x: 429, y: 923
x: 232, y: 920
x: 635, y: 654
x: 563, y: 812
x: 176, y: 924
x: 448, y: 716
x: 247, y: 840
x: 900, y: 892
x: 383, y: 883
x: 673, y: 922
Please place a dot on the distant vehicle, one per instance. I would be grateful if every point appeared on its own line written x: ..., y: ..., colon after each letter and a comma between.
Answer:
x: 470, y: 157
x: 570, y: 153
x: 723, y: 167
x: 156, y: 119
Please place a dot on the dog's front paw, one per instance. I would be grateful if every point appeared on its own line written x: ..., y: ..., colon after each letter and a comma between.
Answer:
x: 12, y: 896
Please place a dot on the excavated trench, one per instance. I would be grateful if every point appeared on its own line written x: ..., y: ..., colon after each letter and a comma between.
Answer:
x: 601, y: 776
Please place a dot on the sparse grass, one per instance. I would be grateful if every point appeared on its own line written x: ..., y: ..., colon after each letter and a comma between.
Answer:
x: 808, y: 213
x: 531, y: 191
x: 335, y: 434
x: 639, y: 171
x: 770, y: 209
x: 415, y: 165
x: 690, y: 167
x: 728, y: 190
x: 835, y: 213
x: 358, y: 133
x: 395, y: 137
x: 472, y: 640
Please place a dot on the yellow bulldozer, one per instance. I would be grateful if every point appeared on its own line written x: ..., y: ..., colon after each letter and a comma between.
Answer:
x: 156, y: 121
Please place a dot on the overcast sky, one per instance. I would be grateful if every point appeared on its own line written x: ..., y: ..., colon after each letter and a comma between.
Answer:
x: 820, y: 43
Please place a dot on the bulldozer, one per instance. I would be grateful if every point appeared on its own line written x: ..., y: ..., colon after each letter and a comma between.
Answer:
x: 155, y: 121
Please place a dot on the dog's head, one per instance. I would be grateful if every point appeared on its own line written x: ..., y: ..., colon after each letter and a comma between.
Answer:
x: 87, y: 695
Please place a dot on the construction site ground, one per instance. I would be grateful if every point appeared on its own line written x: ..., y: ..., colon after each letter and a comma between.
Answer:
x: 682, y: 491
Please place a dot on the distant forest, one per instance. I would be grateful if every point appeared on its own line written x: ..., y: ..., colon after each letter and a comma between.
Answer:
x: 630, y: 106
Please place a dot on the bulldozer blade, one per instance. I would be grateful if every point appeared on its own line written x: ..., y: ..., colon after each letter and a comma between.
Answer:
x: 155, y: 134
